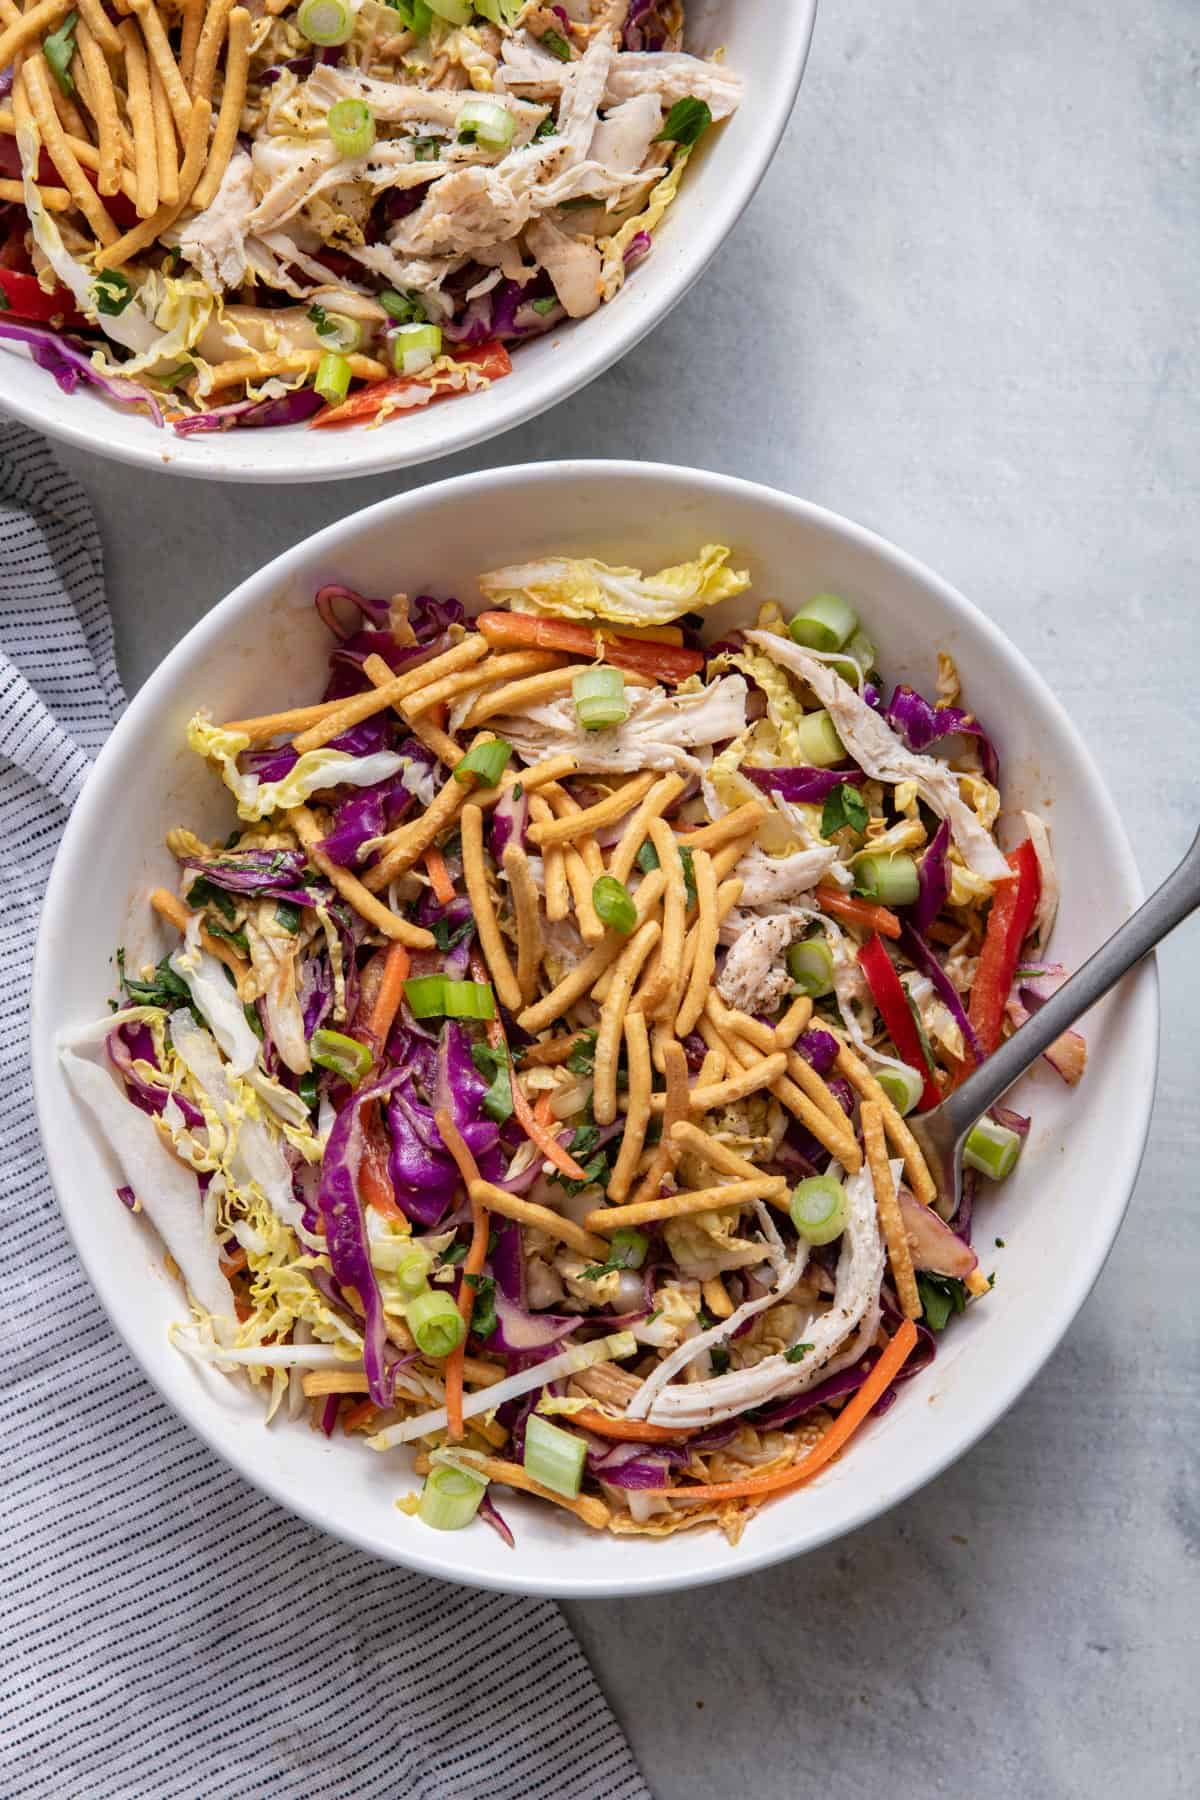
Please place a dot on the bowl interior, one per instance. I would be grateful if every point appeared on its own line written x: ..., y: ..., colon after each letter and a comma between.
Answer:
x: 262, y: 648
x: 720, y: 182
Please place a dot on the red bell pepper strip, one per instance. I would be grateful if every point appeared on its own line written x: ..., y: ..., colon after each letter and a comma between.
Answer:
x: 894, y: 1009
x: 1011, y: 915
x: 21, y: 297
x: 491, y: 360
x: 644, y: 656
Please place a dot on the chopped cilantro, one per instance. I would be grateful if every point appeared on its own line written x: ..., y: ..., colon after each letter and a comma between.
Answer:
x: 112, y: 292
x: 582, y: 1059
x: 689, y: 874
x: 203, y: 893
x: 595, y: 1175
x: 288, y: 916
x: 253, y: 1021
x: 844, y: 806
x: 797, y: 1353
x: 238, y: 939
x: 546, y: 129
x: 306, y: 1087
x: 556, y: 44
x: 1000, y: 1245
x: 647, y: 857
x: 167, y: 988
x: 718, y: 1357
x: 454, y: 1253
x: 940, y: 1296
x: 445, y: 936
x: 494, y: 1067
x: 59, y: 49
x: 426, y: 149
x: 686, y: 122
x: 483, y: 1312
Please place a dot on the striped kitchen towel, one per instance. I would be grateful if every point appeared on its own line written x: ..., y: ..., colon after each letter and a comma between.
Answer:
x: 165, y: 1630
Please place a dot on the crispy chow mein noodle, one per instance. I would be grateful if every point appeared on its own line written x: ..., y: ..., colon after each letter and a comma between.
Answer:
x: 508, y: 1085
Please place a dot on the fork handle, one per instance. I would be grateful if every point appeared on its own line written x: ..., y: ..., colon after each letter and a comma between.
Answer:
x: 1167, y: 907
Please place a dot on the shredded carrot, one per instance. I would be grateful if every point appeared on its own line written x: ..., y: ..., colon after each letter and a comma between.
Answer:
x: 439, y: 876
x: 437, y: 714
x: 626, y: 1431
x: 894, y: 1357
x: 355, y: 1416
x: 859, y: 912
x: 546, y: 1142
x: 231, y: 1264
x: 473, y: 1263
x: 374, y: 1178
x: 541, y: 1110
x: 391, y: 990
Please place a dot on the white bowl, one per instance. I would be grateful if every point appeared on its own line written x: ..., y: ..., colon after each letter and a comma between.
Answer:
x: 769, y: 54
x: 263, y: 648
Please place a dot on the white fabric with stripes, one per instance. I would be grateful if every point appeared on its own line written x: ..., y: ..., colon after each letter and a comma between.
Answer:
x: 165, y: 1630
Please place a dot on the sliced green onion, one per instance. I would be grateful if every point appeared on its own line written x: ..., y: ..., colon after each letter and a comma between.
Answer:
x: 819, y: 744
x: 455, y: 12
x: 888, y: 880
x: 818, y: 1209
x: 610, y: 898
x: 58, y: 49
x: 333, y: 377
x: 450, y: 1498
x: 599, y: 696
x: 903, y: 1087
x: 486, y: 123
x: 469, y: 1000
x: 414, y: 347
x: 337, y: 331
x: 991, y: 1149
x: 325, y: 22
x: 426, y: 996
x: 435, y: 1322
x: 345, y: 1056
x: 436, y: 997
x: 554, y: 1456
x: 412, y: 1275
x: 810, y: 966
x: 826, y: 623
x: 351, y: 127
x: 487, y: 761
x: 860, y: 653
x: 406, y: 309
x: 628, y: 1249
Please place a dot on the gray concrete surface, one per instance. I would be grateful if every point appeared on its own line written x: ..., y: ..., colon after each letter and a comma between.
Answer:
x: 962, y: 310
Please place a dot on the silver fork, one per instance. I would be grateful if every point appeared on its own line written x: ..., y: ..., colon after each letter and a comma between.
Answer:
x: 942, y: 1132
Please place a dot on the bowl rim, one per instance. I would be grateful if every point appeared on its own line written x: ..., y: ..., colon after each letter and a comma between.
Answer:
x: 320, y: 547
x: 226, y: 455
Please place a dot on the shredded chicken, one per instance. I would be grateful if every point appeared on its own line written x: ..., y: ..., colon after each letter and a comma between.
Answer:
x: 876, y: 748
x: 660, y: 730
x: 855, y: 1308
